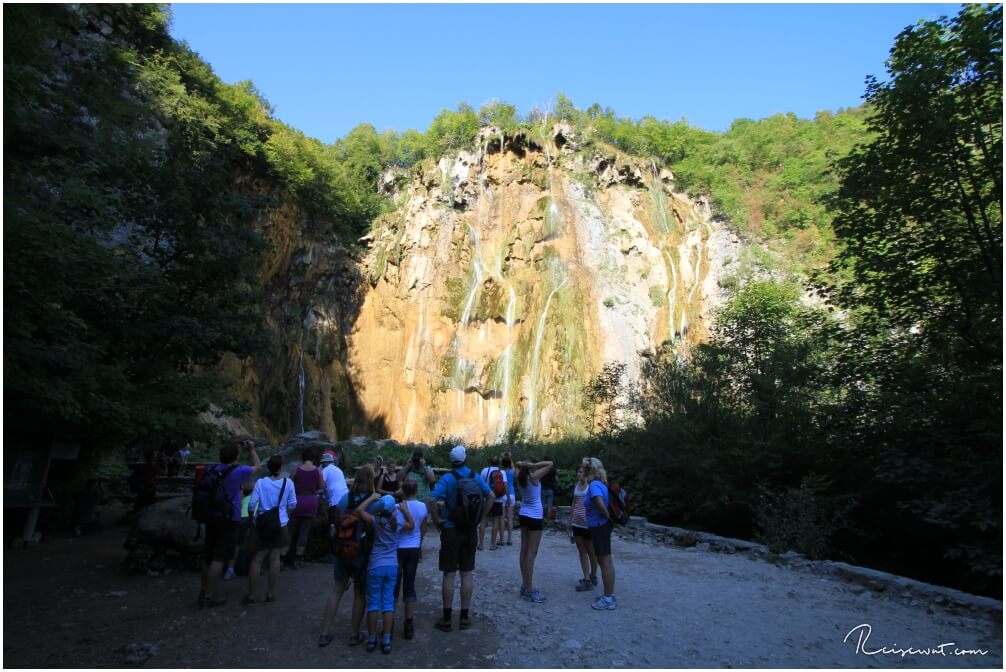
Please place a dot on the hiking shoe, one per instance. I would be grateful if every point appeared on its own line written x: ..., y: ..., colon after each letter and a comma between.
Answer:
x: 583, y: 585
x: 325, y: 638
x: 443, y: 624
x: 604, y: 602
x: 410, y: 630
x: 534, y: 595
x: 464, y: 623
x: 214, y: 601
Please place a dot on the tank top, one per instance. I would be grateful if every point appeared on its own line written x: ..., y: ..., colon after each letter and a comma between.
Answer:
x: 578, y: 514
x: 530, y: 500
x: 306, y: 483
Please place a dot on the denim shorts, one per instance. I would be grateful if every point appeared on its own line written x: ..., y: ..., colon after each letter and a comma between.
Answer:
x: 355, y: 569
x: 381, y: 588
x: 547, y: 497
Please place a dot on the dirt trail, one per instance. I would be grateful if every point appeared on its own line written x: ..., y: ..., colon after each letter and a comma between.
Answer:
x: 68, y: 604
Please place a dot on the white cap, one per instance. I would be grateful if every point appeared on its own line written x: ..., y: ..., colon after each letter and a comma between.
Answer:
x: 458, y: 454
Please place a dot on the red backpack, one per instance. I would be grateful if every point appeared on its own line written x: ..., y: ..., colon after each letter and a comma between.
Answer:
x: 497, y: 483
x: 619, y: 504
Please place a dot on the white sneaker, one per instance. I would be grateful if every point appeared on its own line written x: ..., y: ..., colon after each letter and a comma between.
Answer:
x: 604, y: 602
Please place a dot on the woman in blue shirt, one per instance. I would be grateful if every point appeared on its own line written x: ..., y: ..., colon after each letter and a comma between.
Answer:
x: 599, y: 524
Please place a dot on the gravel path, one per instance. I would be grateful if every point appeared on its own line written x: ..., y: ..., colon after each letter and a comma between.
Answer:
x: 68, y: 604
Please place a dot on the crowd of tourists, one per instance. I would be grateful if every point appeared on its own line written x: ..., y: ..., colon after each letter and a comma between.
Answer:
x: 377, y: 528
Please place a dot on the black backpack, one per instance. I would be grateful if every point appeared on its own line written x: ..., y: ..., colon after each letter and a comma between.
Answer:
x: 468, y: 501
x: 210, y: 501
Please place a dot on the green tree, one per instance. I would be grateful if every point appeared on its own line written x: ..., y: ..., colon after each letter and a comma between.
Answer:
x: 919, y: 213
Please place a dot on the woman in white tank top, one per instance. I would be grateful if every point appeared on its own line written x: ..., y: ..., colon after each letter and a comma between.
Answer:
x: 529, y: 475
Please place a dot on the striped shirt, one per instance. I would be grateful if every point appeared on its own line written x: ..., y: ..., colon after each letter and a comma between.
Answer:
x: 578, y: 515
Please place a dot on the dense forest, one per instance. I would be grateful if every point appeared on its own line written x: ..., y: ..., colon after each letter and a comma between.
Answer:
x: 865, y: 425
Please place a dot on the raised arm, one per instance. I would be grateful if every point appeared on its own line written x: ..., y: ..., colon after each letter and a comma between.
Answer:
x: 410, y: 524
x: 361, y: 510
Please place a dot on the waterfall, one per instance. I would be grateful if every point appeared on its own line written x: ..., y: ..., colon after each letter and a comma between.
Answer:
x: 657, y: 197
x: 698, y: 270
x: 300, y: 385
x: 532, y: 387
x: 511, y: 318
x: 671, y: 293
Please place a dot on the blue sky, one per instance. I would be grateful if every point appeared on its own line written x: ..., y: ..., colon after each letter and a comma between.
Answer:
x: 326, y: 68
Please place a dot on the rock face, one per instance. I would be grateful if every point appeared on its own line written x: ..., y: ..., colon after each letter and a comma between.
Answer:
x: 504, y: 279
x: 508, y: 276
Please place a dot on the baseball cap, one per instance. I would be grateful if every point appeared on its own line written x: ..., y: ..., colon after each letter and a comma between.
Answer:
x: 458, y: 454
x: 387, y: 503
x: 328, y: 456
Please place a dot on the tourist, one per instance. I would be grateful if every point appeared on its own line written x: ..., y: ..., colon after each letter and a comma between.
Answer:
x: 382, y: 569
x: 242, y: 555
x: 410, y: 543
x: 506, y: 464
x: 333, y: 470
x: 496, y: 513
x: 308, y: 480
x: 457, y: 542
x: 529, y: 475
x: 346, y: 570
x: 600, y: 525
x: 388, y: 484
x: 580, y: 533
x: 221, y: 536
x: 418, y: 469
x: 378, y: 465
x: 548, y: 490
x: 274, y: 493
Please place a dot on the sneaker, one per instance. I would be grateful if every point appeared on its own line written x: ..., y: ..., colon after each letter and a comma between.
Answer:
x: 583, y: 585
x: 371, y: 643
x: 443, y: 624
x: 464, y: 623
x: 229, y: 574
x: 534, y: 595
x: 386, y: 644
x: 604, y: 602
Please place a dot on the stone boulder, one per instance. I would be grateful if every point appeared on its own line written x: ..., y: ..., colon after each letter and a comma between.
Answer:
x: 167, y: 524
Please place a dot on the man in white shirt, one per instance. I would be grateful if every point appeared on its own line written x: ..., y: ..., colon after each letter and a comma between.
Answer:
x: 335, y: 480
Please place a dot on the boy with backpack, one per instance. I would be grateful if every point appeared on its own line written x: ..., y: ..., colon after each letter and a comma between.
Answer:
x: 467, y: 499
x: 216, y: 504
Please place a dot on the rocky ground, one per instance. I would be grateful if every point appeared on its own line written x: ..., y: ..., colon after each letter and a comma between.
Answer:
x: 67, y: 603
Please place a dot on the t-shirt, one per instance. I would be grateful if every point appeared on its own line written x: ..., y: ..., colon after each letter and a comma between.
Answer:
x: 419, y: 513
x: 485, y: 474
x: 596, y: 518
x: 578, y: 514
x: 233, y: 483
x: 266, y: 496
x: 447, y: 487
x: 335, y: 484
x: 423, y: 485
x: 344, y: 504
x: 530, y: 500
x: 509, y: 480
x: 385, y: 550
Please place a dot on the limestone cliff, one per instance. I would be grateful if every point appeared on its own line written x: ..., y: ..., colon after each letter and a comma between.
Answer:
x: 507, y: 276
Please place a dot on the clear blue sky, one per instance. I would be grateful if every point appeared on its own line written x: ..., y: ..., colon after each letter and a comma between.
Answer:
x: 327, y: 68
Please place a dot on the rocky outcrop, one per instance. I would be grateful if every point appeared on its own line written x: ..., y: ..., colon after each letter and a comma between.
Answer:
x: 510, y: 274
